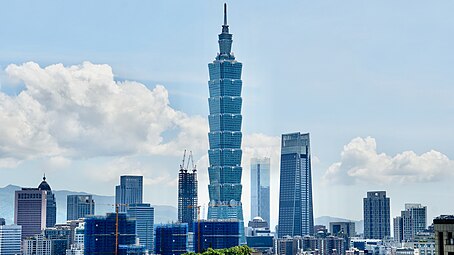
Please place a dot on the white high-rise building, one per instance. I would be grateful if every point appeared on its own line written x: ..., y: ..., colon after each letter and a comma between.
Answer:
x: 10, y: 237
x: 260, y: 188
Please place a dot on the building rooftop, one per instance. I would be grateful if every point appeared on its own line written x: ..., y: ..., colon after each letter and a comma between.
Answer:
x: 444, y: 219
x: 44, y: 185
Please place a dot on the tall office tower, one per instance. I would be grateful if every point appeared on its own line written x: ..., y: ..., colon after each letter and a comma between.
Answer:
x: 130, y: 191
x: 260, y: 188
x: 35, y: 209
x: 100, y: 233
x: 187, y: 196
x: 144, y: 216
x: 10, y: 239
x: 216, y: 234
x: 444, y: 234
x: 411, y: 221
x: 418, y: 215
x: 225, y: 132
x: 171, y: 239
x: 376, y: 215
x: 296, y: 215
x: 51, y: 207
x: 79, y: 206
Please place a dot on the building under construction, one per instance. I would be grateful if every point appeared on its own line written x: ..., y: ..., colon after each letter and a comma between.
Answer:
x: 187, y: 192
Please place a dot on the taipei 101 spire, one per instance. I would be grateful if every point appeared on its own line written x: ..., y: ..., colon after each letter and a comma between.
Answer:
x: 225, y: 131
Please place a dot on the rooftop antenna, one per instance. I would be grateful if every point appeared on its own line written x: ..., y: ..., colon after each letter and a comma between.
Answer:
x: 225, y: 14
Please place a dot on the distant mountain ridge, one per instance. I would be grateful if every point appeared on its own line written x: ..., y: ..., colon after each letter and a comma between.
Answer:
x: 163, y: 213
x: 103, y: 205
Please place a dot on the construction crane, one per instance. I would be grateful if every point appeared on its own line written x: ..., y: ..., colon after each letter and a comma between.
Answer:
x: 191, y: 160
x: 182, y: 162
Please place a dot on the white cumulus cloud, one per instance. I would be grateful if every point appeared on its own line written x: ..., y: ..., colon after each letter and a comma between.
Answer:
x: 80, y: 111
x: 360, y: 162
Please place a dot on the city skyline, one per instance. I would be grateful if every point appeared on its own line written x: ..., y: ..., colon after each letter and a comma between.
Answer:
x: 364, y: 78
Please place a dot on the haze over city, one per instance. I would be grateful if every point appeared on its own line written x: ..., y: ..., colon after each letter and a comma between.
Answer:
x: 94, y: 90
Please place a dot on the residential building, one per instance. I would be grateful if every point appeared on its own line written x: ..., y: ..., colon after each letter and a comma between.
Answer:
x: 444, y: 235
x: 411, y: 221
x: 10, y: 239
x: 225, y: 135
x: 35, y: 209
x: 77, y: 245
x: 424, y: 242
x: 288, y: 245
x: 398, y: 229
x: 345, y: 230
x: 216, y: 234
x: 171, y: 239
x: 323, y: 245
x: 100, y: 233
x: 130, y: 191
x: 79, y: 206
x: 258, y: 222
x: 187, y: 195
x: 60, y: 237
x: 406, y: 251
x: 342, y: 227
x: 376, y: 215
x: 259, y: 236
x: 296, y: 217
x: 144, y: 216
x: 260, y: 188
x: 37, y: 245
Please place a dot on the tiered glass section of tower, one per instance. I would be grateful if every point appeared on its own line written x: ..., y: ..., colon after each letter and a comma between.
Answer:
x: 225, y: 132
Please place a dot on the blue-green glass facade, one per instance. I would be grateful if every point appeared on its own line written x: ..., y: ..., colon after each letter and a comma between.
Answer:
x: 225, y: 132
x: 296, y: 213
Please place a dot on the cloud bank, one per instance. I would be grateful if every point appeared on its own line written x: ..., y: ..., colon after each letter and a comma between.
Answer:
x: 360, y: 162
x: 82, y: 112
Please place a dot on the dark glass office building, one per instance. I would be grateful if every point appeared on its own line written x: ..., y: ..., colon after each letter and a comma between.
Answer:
x: 171, y: 239
x: 130, y: 191
x: 187, y: 197
x: 225, y: 132
x: 376, y: 215
x: 100, y: 233
x: 216, y: 234
x: 296, y: 216
x: 79, y: 206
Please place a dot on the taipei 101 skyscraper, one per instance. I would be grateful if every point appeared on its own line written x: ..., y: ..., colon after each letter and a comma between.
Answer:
x: 225, y: 131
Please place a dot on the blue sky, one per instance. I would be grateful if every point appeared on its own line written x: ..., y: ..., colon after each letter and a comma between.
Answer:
x: 339, y: 70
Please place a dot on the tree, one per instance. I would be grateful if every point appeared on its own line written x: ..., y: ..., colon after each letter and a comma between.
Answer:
x: 236, y: 250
